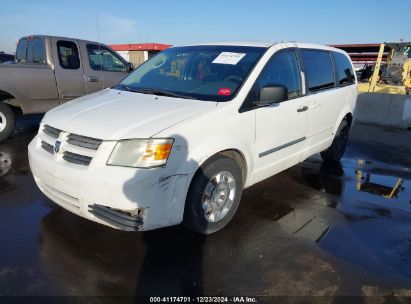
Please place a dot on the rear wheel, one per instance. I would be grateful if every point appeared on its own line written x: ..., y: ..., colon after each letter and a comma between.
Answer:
x: 214, y: 195
x: 336, y: 151
x: 7, y: 121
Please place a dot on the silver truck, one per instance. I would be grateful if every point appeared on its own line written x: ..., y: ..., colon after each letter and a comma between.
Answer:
x: 49, y: 71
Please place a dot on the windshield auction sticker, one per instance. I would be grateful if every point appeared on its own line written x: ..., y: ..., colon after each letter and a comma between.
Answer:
x: 229, y: 58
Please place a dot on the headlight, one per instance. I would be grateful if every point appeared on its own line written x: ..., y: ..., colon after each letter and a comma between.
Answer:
x: 141, y: 153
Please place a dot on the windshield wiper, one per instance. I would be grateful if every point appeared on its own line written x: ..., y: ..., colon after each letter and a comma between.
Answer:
x: 163, y: 93
x: 125, y: 88
x: 153, y: 92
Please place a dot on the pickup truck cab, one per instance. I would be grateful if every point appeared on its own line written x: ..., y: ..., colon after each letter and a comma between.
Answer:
x: 49, y: 71
x: 182, y: 136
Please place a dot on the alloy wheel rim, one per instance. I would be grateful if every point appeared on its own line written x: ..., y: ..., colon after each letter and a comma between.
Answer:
x: 5, y: 163
x: 218, y: 197
x: 3, y: 122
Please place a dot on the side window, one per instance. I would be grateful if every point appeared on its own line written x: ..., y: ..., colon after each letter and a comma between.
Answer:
x: 68, y: 55
x: 282, y: 69
x: 101, y: 58
x: 318, y: 70
x: 345, y: 74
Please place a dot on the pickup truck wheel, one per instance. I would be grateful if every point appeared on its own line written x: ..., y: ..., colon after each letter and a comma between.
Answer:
x: 213, y: 196
x: 335, y: 152
x: 7, y: 121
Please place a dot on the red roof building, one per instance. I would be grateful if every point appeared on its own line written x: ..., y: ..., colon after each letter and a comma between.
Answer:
x: 140, y: 47
x: 364, y: 53
x: 137, y: 53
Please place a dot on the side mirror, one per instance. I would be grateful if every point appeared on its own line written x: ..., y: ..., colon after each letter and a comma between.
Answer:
x: 130, y: 67
x: 272, y: 94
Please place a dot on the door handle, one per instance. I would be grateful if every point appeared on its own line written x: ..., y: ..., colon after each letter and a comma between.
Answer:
x: 302, y: 109
x: 92, y: 79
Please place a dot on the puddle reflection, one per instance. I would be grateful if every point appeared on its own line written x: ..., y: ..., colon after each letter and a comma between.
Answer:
x: 356, y: 182
x: 365, y: 184
x: 376, y: 214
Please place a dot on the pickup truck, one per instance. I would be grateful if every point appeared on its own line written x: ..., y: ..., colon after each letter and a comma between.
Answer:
x: 49, y: 71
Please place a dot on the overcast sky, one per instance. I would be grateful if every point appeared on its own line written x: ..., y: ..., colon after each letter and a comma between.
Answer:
x: 182, y: 22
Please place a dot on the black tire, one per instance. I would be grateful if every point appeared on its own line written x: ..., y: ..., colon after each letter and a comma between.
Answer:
x: 6, y: 113
x: 336, y: 151
x: 194, y: 215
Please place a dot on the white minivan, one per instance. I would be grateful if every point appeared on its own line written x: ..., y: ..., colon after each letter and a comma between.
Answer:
x: 180, y: 138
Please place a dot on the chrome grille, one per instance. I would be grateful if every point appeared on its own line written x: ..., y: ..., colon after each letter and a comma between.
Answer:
x: 84, y: 141
x: 76, y: 149
x: 77, y: 158
x: 49, y: 148
x: 50, y: 131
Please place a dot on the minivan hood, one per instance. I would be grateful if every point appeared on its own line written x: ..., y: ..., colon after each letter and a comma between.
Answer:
x: 113, y: 114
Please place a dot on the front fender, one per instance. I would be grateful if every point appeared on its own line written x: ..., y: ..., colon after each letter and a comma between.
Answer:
x: 200, y: 138
x: 213, y: 145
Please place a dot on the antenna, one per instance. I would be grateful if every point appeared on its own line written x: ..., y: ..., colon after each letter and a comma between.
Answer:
x: 99, y: 51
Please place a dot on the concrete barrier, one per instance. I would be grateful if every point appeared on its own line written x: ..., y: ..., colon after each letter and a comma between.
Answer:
x: 384, y: 110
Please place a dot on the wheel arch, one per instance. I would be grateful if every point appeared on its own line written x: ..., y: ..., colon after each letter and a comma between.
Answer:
x: 4, y: 95
x: 238, y: 157
x: 11, y: 93
x: 13, y: 105
x: 231, y: 153
x: 347, y: 116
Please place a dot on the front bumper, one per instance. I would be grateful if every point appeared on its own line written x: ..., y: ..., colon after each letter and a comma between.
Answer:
x: 123, y: 198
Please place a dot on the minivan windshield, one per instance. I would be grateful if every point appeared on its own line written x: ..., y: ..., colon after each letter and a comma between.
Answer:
x: 213, y: 73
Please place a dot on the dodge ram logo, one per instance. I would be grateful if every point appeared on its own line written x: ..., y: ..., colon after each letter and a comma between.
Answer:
x: 57, y: 146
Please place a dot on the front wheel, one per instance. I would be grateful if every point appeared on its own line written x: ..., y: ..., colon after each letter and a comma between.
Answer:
x: 7, y: 121
x: 335, y: 152
x: 213, y: 196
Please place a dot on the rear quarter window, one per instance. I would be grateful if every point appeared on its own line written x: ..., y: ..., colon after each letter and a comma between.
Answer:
x: 68, y: 55
x: 345, y: 73
x: 318, y: 69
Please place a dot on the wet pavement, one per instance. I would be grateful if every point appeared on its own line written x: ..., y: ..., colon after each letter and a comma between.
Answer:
x: 316, y: 229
